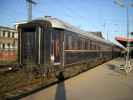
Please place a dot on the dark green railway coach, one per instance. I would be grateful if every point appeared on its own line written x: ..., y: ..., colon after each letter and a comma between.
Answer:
x: 50, y: 41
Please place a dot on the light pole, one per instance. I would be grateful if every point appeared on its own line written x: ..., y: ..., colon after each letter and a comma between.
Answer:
x: 30, y: 2
x: 127, y: 66
x: 105, y: 28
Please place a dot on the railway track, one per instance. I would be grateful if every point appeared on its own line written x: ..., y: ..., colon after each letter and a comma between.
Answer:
x: 9, y: 68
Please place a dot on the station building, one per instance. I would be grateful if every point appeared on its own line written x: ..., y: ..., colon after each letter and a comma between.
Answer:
x: 123, y: 41
x: 8, y: 44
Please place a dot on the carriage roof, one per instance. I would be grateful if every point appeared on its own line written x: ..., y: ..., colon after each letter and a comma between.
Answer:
x: 57, y: 23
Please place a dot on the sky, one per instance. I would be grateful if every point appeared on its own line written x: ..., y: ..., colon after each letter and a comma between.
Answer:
x: 90, y: 15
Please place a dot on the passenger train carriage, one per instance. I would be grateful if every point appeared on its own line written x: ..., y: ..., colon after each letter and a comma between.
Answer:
x: 50, y: 41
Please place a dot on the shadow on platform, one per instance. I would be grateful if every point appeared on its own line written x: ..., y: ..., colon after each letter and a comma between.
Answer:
x: 111, y: 66
x: 116, y: 68
x: 60, y: 92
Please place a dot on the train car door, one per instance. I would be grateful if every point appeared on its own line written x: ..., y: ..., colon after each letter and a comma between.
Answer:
x: 56, y: 47
x: 28, y: 45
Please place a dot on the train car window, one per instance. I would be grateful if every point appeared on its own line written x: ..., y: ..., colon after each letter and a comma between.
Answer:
x: 99, y: 47
x: 66, y: 42
x: 90, y: 45
x: 56, y: 46
x: 86, y: 44
x: 76, y: 44
x: 94, y: 46
x: 83, y: 43
x: 73, y: 42
x: 69, y: 42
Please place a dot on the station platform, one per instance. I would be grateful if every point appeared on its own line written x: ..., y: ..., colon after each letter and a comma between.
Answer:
x: 104, y: 82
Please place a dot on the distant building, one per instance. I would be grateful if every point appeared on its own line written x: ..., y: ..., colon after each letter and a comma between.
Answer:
x: 8, y: 44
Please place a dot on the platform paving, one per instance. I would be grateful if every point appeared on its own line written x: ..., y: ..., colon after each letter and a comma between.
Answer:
x: 105, y: 82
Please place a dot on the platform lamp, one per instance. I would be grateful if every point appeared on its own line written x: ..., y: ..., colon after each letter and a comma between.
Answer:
x: 127, y: 66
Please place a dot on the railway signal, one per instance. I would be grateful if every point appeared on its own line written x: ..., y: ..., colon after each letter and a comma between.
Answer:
x: 29, y: 6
